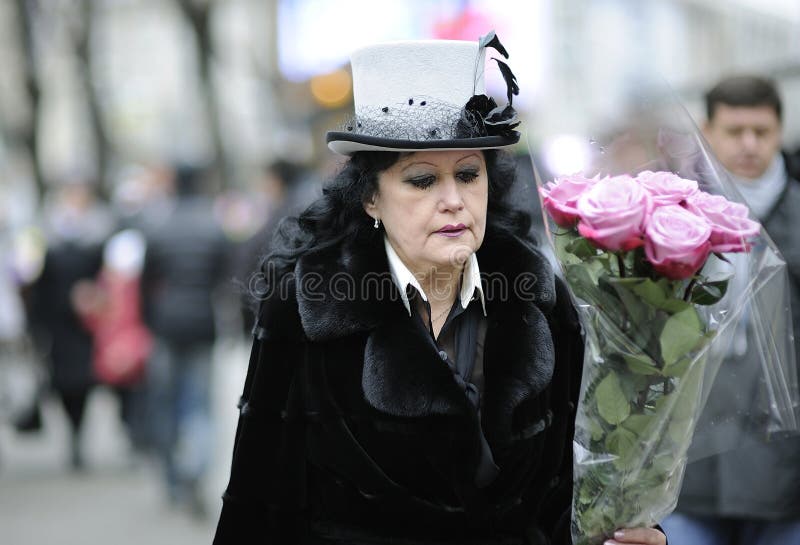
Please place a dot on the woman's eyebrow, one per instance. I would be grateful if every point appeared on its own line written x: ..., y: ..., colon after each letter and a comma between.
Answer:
x: 416, y: 163
x: 467, y: 157
x: 433, y: 165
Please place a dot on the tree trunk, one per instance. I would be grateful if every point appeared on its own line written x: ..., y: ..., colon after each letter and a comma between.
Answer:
x: 30, y: 133
x: 199, y: 16
x: 82, y: 50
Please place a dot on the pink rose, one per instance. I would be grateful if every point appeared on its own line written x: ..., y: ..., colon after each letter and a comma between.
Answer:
x: 613, y: 213
x: 731, y: 229
x: 559, y: 198
x: 677, y: 241
x: 666, y: 187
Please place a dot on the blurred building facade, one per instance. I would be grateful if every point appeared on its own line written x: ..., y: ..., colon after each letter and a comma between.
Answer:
x: 143, y: 61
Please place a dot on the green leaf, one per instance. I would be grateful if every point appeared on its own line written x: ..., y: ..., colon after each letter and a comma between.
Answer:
x: 680, y: 334
x: 677, y: 369
x: 680, y: 430
x: 611, y: 402
x: 673, y: 306
x: 664, y: 464
x: 622, y: 443
x: 581, y: 248
x: 562, y: 241
x: 632, y: 384
x: 582, y: 283
x: 689, y: 391
x: 709, y: 293
x: 635, y: 306
x: 595, y: 429
x: 641, y: 364
x: 638, y: 423
x: 651, y: 292
x: 664, y: 402
x: 586, y: 495
x: 659, y: 295
x: 582, y: 278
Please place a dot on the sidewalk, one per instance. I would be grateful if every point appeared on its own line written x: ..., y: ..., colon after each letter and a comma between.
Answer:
x: 117, y: 500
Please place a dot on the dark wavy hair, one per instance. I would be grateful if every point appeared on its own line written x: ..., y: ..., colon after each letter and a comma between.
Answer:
x: 339, y: 214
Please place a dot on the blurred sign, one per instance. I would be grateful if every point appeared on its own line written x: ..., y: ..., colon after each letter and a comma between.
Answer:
x: 317, y: 36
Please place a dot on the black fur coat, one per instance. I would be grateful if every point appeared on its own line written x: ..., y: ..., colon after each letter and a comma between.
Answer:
x: 353, y: 430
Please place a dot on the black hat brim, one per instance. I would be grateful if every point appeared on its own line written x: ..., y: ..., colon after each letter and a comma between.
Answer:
x: 347, y: 143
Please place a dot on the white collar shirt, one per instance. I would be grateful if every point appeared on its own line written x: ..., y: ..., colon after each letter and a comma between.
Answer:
x: 471, y: 287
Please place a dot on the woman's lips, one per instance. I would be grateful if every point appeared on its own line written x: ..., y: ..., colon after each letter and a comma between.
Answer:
x: 452, y: 230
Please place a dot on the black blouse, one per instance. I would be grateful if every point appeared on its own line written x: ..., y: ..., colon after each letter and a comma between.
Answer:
x: 460, y: 345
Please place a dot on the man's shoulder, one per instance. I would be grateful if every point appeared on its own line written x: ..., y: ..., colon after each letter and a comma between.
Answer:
x: 789, y: 203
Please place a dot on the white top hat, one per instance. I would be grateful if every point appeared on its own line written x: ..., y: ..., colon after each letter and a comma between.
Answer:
x: 428, y: 94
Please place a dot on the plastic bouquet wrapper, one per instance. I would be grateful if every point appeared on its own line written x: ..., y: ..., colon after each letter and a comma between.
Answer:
x: 670, y: 272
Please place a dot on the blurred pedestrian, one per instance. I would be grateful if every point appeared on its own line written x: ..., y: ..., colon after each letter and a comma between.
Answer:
x: 76, y: 227
x: 276, y: 194
x: 18, y: 384
x: 12, y: 312
x: 110, y: 308
x: 750, y: 495
x: 185, y: 261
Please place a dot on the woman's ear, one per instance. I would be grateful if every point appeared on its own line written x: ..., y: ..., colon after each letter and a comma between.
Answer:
x: 370, y: 206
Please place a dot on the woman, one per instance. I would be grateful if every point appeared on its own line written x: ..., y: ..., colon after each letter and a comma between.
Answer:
x: 398, y: 393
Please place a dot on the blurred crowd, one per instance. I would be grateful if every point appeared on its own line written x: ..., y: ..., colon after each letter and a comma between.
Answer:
x: 129, y: 293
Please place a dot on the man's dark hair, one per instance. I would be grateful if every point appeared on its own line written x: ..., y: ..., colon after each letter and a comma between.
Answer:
x: 190, y: 179
x: 744, y: 91
x: 286, y: 171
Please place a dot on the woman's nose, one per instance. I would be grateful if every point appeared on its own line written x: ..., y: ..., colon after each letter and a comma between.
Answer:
x: 450, y: 198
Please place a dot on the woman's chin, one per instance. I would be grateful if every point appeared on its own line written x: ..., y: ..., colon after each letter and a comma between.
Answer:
x: 453, y: 252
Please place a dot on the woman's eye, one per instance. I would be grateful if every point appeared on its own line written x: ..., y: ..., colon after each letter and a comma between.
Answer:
x: 467, y: 175
x: 422, y: 182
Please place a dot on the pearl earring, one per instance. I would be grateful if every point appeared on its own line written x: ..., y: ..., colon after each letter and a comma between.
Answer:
x: 377, y: 223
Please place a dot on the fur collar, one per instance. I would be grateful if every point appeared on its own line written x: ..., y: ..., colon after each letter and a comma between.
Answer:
x: 344, y: 291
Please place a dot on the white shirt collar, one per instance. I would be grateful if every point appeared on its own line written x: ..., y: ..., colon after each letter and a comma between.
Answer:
x: 471, y: 280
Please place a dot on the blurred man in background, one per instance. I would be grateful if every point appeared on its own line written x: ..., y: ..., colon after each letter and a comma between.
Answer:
x: 278, y: 192
x: 185, y: 261
x: 750, y: 495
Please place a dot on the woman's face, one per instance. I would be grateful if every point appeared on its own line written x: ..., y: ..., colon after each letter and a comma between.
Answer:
x: 433, y: 207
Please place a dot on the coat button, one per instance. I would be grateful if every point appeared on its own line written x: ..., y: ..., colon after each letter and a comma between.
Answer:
x: 443, y: 355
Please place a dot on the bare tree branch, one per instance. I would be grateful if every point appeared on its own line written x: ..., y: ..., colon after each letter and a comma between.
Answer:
x: 198, y: 13
x: 30, y: 133
x: 82, y: 38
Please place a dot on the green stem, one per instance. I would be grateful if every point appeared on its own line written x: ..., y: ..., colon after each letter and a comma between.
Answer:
x: 641, y: 399
x: 688, y: 292
x: 621, y: 265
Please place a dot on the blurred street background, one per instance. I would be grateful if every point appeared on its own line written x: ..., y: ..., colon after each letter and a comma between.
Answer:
x: 148, y: 149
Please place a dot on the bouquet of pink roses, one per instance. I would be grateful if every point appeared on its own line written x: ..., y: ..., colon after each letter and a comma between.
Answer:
x: 634, y: 250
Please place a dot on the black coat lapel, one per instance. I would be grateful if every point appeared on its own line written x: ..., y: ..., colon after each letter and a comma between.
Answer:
x: 404, y: 375
x: 519, y: 356
x: 344, y: 290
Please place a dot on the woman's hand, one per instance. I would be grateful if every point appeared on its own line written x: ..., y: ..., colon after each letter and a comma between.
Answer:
x: 638, y: 536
